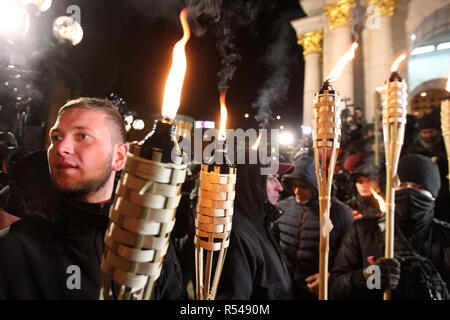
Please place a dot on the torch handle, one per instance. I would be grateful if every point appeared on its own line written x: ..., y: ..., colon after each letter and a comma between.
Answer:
x: 324, y: 252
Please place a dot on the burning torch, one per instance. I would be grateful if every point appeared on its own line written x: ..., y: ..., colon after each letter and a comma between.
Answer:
x: 214, y: 214
x: 147, y: 196
x: 445, y: 123
x: 394, y: 120
x: 326, y: 137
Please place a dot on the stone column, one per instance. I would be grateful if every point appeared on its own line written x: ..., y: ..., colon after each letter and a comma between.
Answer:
x: 339, y: 41
x: 312, y: 53
x: 379, y: 42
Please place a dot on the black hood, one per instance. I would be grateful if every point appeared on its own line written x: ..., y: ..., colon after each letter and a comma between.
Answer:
x: 33, y: 197
x: 250, y: 191
x: 304, y: 170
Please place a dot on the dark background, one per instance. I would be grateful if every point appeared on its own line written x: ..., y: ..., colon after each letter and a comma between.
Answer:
x: 127, y: 48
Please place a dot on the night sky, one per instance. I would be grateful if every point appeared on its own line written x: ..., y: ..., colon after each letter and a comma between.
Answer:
x: 127, y: 48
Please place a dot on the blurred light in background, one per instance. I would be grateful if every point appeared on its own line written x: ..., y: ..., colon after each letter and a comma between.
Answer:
x: 42, y: 5
x: 13, y: 17
x: 307, y: 130
x: 138, y: 124
x: 67, y: 28
x: 286, y: 138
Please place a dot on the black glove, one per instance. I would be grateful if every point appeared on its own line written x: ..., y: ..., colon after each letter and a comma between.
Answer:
x: 390, y: 272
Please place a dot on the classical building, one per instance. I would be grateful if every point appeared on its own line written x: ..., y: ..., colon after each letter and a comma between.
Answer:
x: 383, y: 29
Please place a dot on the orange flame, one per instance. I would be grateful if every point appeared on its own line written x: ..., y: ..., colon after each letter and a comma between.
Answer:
x: 340, y: 65
x: 257, y: 142
x: 223, y: 117
x: 397, y: 62
x: 380, y: 200
x: 174, y: 83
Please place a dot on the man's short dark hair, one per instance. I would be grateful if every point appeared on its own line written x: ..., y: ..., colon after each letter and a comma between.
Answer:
x: 102, y: 105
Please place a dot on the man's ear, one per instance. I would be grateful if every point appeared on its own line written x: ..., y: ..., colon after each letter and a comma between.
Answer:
x: 120, y: 155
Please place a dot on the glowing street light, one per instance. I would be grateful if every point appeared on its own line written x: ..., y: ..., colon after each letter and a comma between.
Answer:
x: 42, y: 5
x: 138, y: 124
x: 13, y: 17
x: 67, y: 28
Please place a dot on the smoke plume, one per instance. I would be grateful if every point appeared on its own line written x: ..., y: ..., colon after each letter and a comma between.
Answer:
x: 278, y: 62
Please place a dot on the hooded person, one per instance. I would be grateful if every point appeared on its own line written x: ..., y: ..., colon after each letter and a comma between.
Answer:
x: 416, y: 229
x: 254, y: 268
x: 366, y: 179
x: 430, y: 143
x: 298, y: 229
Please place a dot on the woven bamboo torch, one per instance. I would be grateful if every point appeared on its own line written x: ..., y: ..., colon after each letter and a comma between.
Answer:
x: 143, y: 214
x: 214, y: 215
x: 327, y: 134
x: 326, y: 139
x: 445, y: 124
x: 394, y: 120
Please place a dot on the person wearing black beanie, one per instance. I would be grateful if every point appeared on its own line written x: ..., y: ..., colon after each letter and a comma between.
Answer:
x: 431, y: 144
x: 416, y: 227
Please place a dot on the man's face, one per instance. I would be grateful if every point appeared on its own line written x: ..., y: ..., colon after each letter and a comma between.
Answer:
x: 302, y: 191
x: 429, y: 135
x: 273, y: 188
x: 364, y: 186
x: 81, y: 155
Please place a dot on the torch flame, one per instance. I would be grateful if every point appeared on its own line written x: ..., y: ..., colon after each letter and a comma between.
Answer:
x: 223, y: 117
x: 380, y: 200
x: 340, y: 65
x: 397, y: 62
x: 257, y: 142
x: 174, y: 83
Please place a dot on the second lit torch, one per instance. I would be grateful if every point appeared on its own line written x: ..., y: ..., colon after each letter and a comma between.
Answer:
x: 394, y: 120
x: 214, y: 215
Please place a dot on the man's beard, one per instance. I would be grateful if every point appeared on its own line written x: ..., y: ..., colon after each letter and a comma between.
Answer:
x: 89, y: 186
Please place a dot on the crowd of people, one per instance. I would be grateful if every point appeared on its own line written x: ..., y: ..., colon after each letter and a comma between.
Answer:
x: 62, y: 197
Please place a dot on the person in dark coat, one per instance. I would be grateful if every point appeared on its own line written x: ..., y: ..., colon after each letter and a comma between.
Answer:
x: 298, y: 228
x: 254, y: 267
x: 364, y: 241
x: 430, y: 143
x: 62, y: 198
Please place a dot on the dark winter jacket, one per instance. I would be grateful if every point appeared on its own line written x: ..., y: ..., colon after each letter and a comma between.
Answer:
x: 55, y: 236
x: 298, y: 230
x: 254, y: 267
x: 364, y: 238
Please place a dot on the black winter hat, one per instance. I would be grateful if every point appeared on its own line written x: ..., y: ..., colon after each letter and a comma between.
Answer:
x: 421, y: 170
x: 367, y: 170
x: 429, y: 121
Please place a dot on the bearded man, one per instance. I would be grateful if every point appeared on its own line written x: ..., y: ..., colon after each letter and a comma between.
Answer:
x: 62, y: 198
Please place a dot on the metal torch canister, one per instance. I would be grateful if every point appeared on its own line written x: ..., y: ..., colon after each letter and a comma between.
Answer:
x: 326, y: 140
x: 445, y: 127
x: 213, y: 221
x: 394, y: 120
x: 143, y: 214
